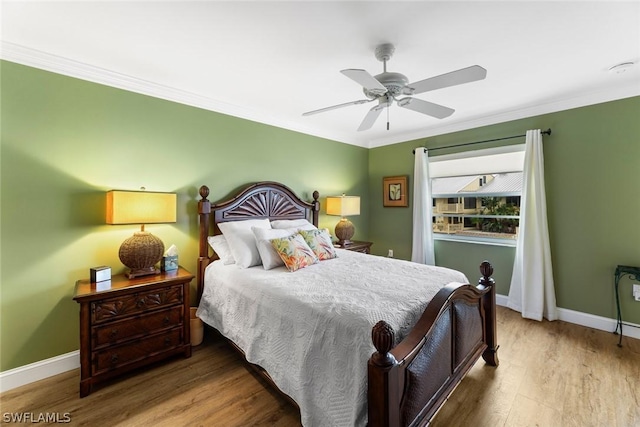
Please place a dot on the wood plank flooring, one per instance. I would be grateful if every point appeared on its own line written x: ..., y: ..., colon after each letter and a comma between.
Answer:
x: 551, y: 374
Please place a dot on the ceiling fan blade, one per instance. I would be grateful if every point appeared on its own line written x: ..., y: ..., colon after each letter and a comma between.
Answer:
x: 371, y: 117
x: 424, y: 107
x: 333, y: 107
x: 366, y: 80
x: 458, y: 77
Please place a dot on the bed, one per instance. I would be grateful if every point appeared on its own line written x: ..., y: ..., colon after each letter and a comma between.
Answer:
x: 353, y: 340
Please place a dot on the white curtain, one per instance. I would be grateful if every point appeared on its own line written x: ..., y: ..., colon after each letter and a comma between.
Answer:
x: 422, y: 248
x: 532, y: 291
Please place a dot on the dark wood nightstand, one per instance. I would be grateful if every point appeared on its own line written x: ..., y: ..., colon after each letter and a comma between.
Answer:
x: 130, y: 323
x: 355, y: 246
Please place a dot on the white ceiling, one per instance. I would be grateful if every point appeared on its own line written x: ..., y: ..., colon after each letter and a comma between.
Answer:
x: 271, y: 61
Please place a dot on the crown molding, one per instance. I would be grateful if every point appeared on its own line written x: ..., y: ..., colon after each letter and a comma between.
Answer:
x: 57, y: 64
x: 591, y: 98
x: 38, y: 59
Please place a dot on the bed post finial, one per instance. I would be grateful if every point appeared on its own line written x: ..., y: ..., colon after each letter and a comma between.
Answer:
x: 204, y: 210
x: 204, y: 192
x: 316, y: 208
x: 486, y: 269
x: 383, y: 338
x: 383, y: 396
x: 490, y: 355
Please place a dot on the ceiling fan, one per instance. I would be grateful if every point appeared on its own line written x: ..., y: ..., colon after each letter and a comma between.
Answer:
x: 389, y: 86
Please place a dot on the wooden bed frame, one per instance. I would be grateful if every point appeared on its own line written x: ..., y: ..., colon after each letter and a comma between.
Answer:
x: 408, y: 383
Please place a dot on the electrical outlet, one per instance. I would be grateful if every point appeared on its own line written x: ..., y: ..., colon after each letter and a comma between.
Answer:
x: 390, y: 254
x: 636, y: 292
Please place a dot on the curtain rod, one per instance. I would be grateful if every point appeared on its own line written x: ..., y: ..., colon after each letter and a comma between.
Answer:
x: 544, y: 132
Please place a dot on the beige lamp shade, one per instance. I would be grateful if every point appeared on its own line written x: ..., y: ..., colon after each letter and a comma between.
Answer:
x: 140, y: 207
x: 344, y: 206
x: 143, y: 250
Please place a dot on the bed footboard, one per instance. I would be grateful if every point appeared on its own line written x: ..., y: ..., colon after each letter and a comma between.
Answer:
x: 410, y: 382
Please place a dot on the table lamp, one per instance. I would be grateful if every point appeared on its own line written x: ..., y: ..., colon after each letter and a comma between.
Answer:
x: 143, y: 250
x: 344, y: 206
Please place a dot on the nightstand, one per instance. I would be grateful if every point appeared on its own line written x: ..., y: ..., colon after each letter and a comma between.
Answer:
x: 129, y: 323
x: 355, y: 246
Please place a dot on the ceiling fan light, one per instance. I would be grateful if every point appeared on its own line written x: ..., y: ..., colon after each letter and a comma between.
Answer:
x: 384, y: 101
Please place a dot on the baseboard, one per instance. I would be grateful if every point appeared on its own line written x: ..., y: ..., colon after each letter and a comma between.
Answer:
x: 66, y: 362
x: 39, y: 370
x: 585, y: 319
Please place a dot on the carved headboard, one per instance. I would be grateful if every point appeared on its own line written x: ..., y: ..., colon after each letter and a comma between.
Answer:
x: 266, y: 199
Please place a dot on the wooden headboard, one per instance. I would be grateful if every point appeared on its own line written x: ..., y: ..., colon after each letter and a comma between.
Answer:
x: 266, y: 199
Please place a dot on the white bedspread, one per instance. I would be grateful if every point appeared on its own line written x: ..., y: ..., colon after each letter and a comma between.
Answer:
x: 311, y: 329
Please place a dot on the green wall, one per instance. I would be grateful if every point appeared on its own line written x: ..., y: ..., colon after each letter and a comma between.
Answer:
x: 593, y: 203
x: 66, y: 141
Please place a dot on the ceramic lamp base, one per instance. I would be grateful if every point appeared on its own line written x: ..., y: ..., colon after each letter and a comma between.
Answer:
x: 344, y: 231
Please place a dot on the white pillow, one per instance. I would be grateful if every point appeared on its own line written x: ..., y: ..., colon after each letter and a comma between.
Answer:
x: 300, y: 224
x: 268, y: 254
x: 220, y: 246
x: 241, y: 241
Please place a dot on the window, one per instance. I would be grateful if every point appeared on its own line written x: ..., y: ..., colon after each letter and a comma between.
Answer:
x: 476, y: 195
x: 470, y: 202
x: 513, y: 200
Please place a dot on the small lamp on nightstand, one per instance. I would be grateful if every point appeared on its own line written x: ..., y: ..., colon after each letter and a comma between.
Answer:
x: 344, y: 206
x: 143, y: 250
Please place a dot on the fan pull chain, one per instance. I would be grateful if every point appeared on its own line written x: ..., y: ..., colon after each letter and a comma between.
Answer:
x: 388, y: 118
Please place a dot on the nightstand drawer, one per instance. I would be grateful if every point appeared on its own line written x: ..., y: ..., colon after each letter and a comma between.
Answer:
x: 115, y: 357
x: 114, y: 308
x: 114, y: 332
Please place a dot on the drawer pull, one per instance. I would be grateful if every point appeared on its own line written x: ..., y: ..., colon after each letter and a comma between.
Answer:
x: 114, y: 358
x: 140, y: 303
x: 165, y: 320
x: 167, y: 341
x: 114, y: 332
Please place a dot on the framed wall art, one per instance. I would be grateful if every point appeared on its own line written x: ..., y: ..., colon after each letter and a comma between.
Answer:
x: 395, y: 192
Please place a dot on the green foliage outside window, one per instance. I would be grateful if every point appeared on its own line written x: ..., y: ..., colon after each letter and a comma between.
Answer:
x: 493, y: 206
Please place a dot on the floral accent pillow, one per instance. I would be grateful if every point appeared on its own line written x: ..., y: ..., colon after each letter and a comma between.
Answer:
x: 294, y: 252
x: 320, y: 243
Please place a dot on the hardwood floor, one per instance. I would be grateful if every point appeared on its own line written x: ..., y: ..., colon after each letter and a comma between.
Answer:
x: 550, y: 374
